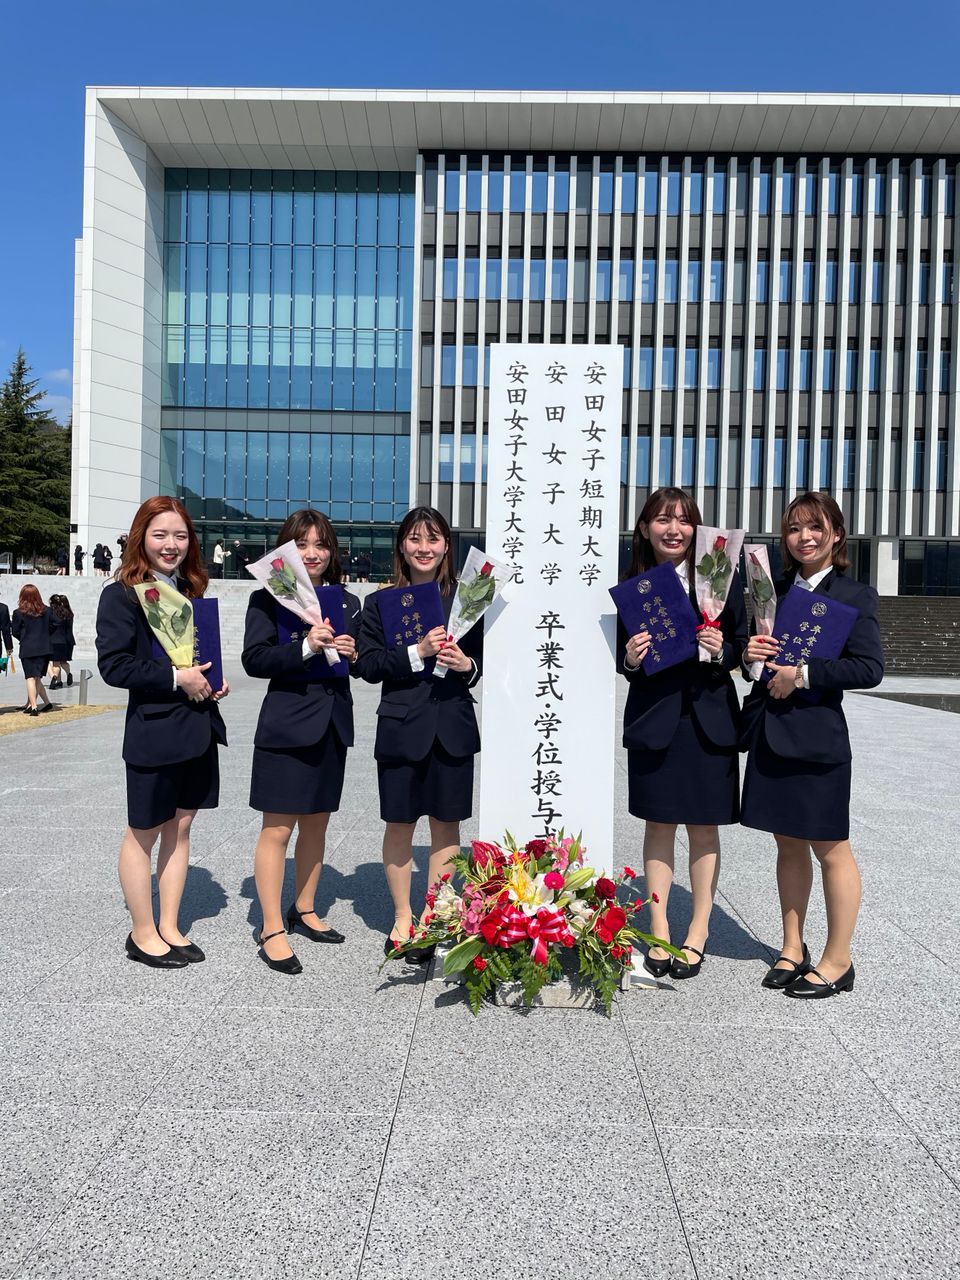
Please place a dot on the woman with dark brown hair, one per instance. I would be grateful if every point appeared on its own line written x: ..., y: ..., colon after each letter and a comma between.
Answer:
x: 173, y: 730
x: 797, y: 777
x: 31, y: 626
x: 427, y: 734
x: 680, y: 731
x: 300, y: 746
x: 62, y: 640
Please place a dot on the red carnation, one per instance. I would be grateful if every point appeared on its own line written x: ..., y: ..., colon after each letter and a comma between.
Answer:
x: 152, y: 595
x: 629, y: 873
x: 445, y: 877
x: 655, y: 897
x: 479, y: 963
x: 553, y: 880
x: 277, y: 564
x: 720, y: 543
x: 486, y: 570
x: 613, y: 919
x: 616, y: 952
x: 605, y: 888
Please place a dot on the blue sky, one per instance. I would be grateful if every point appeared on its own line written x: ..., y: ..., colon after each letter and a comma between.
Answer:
x: 54, y: 49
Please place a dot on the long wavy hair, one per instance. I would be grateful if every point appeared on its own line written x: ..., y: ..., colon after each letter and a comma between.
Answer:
x: 664, y: 499
x: 135, y: 567
x: 60, y: 606
x: 30, y: 601
x: 299, y: 523
x: 436, y: 524
x: 815, y: 508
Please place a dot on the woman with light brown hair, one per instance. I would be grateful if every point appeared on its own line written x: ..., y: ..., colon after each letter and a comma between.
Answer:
x: 31, y: 626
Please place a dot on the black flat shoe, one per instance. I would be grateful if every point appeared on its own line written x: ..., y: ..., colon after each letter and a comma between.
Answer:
x: 419, y: 955
x: 681, y: 968
x: 169, y: 959
x: 190, y: 951
x: 804, y: 989
x: 69, y: 681
x: 659, y: 968
x: 295, y: 921
x: 778, y: 979
x: 289, y: 964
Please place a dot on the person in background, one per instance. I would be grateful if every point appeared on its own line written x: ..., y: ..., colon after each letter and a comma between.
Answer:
x: 122, y: 544
x: 63, y: 560
x: 6, y: 635
x: 241, y: 559
x: 31, y: 626
x: 99, y: 564
x: 62, y: 640
x: 219, y: 555
x: 78, y: 554
x: 107, y: 560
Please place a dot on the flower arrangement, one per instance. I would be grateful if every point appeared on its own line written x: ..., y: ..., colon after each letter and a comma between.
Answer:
x: 509, y: 912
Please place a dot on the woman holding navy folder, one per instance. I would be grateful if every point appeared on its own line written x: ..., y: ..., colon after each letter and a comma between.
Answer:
x: 301, y: 741
x: 427, y: 734
x: 172, y: 734
x: 797, y: 776
x: 680, y: 731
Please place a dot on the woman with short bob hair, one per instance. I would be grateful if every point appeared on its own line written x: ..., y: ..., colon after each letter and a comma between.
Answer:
x: 427, y: 734
x: 31, y: 626
x: 798, y: 769
x: 172, y: 733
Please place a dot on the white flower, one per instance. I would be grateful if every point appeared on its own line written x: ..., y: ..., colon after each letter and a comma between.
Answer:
x: 447, y: 906
x: 580, y: 914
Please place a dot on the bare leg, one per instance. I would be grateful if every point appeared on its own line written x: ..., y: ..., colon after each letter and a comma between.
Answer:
x: 841, y: 891
x: 794, y: 879
x: 444, y: 845
x: 398, y: 868
x: 704, y: 872
x: 268, y: 867
x: 31, y: 691
x: 308, y: 854
x: 173, y: 861
x: 658, y: 845
x: 136, y: 883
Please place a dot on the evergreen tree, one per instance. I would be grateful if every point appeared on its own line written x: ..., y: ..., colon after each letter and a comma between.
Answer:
x: 34, y: 468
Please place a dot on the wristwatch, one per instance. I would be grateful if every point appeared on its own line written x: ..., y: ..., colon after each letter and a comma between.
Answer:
x: 801, y: 667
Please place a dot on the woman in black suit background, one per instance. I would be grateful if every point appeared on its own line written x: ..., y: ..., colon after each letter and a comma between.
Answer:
x: 31, y: 626
x: 427, y: 734
x: 680, y: 731
x: 797, y: 776
x: 172, y: 733
x: 300, y: 746
x: 62, y: 640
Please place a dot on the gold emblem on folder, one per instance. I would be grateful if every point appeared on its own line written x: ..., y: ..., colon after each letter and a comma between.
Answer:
x: 643, y: 586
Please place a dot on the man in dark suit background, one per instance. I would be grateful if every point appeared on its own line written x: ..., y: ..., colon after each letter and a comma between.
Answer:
x: 6, y: 635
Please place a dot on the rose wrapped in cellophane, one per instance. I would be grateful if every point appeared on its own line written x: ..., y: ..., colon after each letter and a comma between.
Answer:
x: 717, y: 553
x: 284, y: 575
x: 480, y: 582
x: 170, y: 618
x: 763, y: 596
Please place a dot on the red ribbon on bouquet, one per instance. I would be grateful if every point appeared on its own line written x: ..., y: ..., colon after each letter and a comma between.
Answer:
x: 709, y: 622
x: 545, y: 927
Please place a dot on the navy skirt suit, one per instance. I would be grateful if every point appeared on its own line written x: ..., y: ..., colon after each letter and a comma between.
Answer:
x: 306, y: 719
x: 427, y: 733
x: 62, y: 638
x: 36, y: 647
x: 797, y: 776
x: 680, y: 731
x: 170, y: 744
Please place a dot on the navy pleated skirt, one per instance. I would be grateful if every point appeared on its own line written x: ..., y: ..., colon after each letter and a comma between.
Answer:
x: 155, y: 794
x: 34, y: 668
x: 690, y: 781
x: 299, y: 779
x: 438, y: 786
x: 795, y: 798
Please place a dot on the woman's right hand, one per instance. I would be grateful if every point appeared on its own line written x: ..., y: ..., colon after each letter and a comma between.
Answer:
x: 432, y: 642
x: 761, y: 649
x: 194, y: 683
x: 637, y: 648
x: 320, y: 637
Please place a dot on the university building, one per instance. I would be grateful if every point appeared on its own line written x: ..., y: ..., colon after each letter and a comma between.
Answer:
x: 288, y: 296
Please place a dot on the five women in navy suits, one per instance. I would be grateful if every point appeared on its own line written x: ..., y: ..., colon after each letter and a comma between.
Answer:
x: 797, y: 777
x: 300, y: 746
x: 680, y: 731
x: 172, y: 733
x: 427, y: 734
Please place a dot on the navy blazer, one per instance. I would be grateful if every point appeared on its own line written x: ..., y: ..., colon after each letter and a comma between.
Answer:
x: 815, y: 728
x: 163, y: 726
x: 61, y: 633
x: 416, y: 708
x: 6, y: 635
x: 295, y: 712
x: 655, y: 702
x: 33, y: 632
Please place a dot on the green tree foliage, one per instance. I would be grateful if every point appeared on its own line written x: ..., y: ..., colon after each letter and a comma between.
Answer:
x: 34, y: 468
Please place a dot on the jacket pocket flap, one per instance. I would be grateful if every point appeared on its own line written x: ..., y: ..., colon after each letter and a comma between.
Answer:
x: 393, y: 710
x: 157, y: 712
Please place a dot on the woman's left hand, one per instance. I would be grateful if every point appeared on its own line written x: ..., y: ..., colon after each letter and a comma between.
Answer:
x: 712, y: 640
x: 452, y: 656
x: 221, y: 693
x: 783, y: 682
x: 346, y: 646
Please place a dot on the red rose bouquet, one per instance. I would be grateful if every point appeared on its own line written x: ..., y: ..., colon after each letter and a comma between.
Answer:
x: 480, y: 582
x: 717, y: 552
x: 509, y: 912
x: 284, y: 575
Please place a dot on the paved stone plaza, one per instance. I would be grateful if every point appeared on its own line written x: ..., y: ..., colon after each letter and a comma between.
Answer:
x: 227, y: 1121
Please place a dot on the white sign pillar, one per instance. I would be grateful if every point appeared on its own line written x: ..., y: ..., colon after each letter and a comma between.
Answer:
x: 553, y: 513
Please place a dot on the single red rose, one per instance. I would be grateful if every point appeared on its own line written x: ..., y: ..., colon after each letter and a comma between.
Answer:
x: 479, y: 963
x: 445, y: 877
x: 487, y: 569
x: 755, y: 559
x: 720, y: 543
x: 277, y: 564
x: 152, y: 595
x: 616, y: 952
x: 605, y: 888
x: 614, y: 918
x: 629, y: 873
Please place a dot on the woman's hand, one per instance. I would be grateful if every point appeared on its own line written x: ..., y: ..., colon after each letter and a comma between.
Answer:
x: 346, y: 646
x: 761, y: 649
x: 432, y: 642
x: 320, y: 636
x: 711, y: 638
x: 193, y: 682
x: 783, y: 682
x: 637, y: 648
x: 221, y: 693
x: 452, y: 656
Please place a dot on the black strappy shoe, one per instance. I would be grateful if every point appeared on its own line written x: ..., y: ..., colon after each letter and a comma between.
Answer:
x: 778, y: 979
x: 804, y: 989
x: 681, y: 968
x: 289, y: 964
